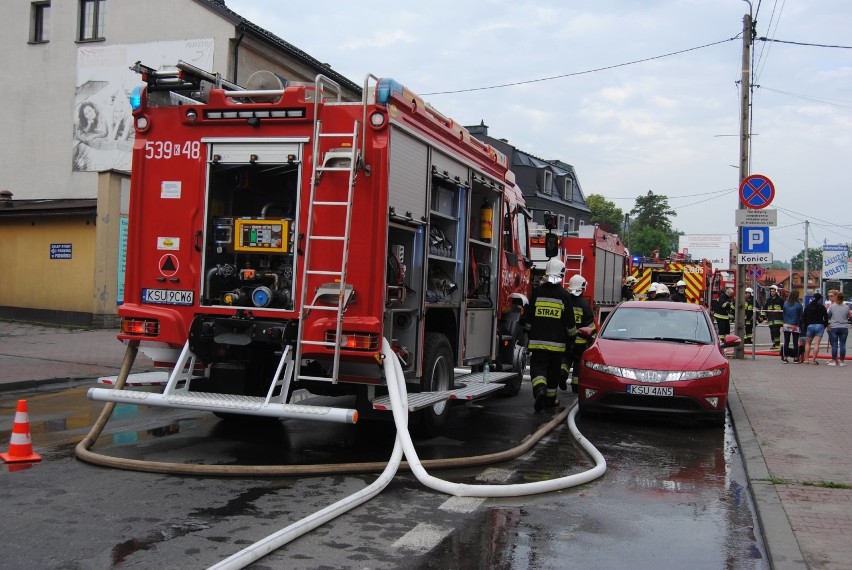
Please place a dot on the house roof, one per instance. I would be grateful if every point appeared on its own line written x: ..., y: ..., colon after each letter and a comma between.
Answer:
x: 51, y: 207
x: 241, y: 23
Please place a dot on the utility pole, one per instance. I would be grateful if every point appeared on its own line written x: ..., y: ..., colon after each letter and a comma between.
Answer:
x: 745, y: 101
x: 805, y: 281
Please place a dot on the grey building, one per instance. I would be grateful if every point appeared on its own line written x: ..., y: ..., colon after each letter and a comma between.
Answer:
x: 547, y: 185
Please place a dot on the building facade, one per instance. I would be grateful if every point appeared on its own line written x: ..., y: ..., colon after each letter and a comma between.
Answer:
x: 66, y: 121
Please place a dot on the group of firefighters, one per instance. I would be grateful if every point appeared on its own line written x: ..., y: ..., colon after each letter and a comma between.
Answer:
x: 772, y: 312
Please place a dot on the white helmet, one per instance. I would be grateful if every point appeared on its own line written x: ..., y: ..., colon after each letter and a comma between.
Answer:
x: 773, y: 288
x: 680, y: 283
x: 749, y: 290
x: 577, y: 285
x: 653, y: 288
x: 554, y: 271
x: 662, y: 289
x: 631, y: 280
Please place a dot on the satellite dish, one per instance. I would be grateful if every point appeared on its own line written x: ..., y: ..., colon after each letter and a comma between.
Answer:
x: 265, y: 81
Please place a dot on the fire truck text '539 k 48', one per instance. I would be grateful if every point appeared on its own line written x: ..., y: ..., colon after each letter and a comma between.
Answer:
x: 277, y: 235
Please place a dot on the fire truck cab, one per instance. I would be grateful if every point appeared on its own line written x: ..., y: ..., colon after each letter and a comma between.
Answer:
x: 277, y: 236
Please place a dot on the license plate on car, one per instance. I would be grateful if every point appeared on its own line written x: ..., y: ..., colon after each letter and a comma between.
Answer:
x: 167, y: 297
x: 650, y: 390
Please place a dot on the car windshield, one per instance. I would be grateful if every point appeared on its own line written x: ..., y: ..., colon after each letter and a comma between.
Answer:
x: 635, y: 323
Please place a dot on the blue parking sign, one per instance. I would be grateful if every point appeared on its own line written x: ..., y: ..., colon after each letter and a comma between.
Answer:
x: 755, y: 239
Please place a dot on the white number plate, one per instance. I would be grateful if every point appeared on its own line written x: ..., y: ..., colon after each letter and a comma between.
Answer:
x: 167, y: 297
x: 650, y: 390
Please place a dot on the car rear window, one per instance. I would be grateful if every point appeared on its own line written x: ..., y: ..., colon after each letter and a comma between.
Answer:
x: 635, y: 323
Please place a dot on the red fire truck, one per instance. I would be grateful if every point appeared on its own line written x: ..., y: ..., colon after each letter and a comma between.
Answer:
x: 697, y: 275
x: 276, y: 236
x: 600, y: 257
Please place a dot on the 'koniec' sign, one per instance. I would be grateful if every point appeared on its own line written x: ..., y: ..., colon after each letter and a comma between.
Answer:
x: 835, y: 262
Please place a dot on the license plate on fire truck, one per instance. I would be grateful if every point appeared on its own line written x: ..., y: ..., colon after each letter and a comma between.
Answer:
x: 650, y: 390
x: 167, y: 297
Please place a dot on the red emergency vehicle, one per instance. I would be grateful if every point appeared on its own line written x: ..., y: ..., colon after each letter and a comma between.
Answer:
x: 277, y: 236
x: 600, y: 257
x: 697, y: 274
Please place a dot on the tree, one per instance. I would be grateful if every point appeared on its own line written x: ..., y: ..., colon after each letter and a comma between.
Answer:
x: 653, y: 211
x: 814, y: 259
x: 605, y: 213
x: 646, y: 239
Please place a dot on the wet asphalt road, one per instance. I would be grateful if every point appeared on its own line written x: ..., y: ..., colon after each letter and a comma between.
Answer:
x: 673, y: 496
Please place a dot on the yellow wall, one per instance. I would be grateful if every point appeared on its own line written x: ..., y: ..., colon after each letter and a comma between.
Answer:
x: 30, y: 279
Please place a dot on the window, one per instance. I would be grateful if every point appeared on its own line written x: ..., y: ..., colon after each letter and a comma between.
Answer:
x: 39, y: 21
x: 522, y: 233
x: 570, y: 226
x: 582, y: 223
x: 92, y: 16
x: 568, y: 189
x: 561, y: 222
x: 546, y: 180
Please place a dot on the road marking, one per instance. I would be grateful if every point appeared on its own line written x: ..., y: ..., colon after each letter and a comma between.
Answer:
x: 462, y: 504
x: 423, y: 538
x: 495, y: 475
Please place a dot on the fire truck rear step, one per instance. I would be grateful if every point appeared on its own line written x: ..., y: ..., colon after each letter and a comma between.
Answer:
x: 474, y: 387
x: 244, y: 405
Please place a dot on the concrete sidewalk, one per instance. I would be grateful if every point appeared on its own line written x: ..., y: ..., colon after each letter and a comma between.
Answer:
x: 792, y: 423
x: 35, y: 353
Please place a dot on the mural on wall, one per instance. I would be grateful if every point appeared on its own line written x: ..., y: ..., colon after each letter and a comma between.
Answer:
x: 103, y: 124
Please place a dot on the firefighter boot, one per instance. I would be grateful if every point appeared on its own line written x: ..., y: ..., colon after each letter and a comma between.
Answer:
x: 539, y: 393
x: 575, y: 384
x: 564, y: 374
x: 550, y: 400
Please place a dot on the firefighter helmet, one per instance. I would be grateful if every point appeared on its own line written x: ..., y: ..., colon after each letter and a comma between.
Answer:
x: 749, y: 290
x: 653, y: 288
x: 577, y: 285
x: 680, y: 283
x: 631, y: 280
x: 662, y: 289
x: 554, y: 270
x: 773, y: 288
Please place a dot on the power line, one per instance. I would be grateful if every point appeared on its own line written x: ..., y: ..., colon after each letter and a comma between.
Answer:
x: 803, y: 43
x: 606, y: 68
x: 808, y: 98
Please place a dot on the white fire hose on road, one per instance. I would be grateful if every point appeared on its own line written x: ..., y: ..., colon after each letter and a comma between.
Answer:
x: 399, y: 407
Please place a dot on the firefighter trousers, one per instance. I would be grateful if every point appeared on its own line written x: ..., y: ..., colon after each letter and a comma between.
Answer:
x: 545, y: 367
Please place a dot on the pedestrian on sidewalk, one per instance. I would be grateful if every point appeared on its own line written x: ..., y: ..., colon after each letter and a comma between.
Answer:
x: 814, y: 320
x: 792, y: 326
x: 838, y: 329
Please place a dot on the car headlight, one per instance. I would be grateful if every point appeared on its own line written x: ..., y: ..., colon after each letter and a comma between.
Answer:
x: 653, y: 376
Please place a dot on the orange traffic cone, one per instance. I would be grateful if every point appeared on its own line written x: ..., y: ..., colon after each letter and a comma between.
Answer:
x: 21, y: 446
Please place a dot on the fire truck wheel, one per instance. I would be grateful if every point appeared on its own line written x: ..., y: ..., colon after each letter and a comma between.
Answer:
x: 520, y: 361
x: 437, y: 377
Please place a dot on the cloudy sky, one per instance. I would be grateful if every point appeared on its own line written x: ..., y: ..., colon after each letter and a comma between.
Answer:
x: 637, y: 95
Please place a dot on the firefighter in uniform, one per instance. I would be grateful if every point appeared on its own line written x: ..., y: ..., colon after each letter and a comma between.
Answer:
x: 749, y: 315
x: 583, y: 317
x: 723, y: 311
x: 773, y: 312
x: 627, y: 288
x: 551, y: 333
x: 652, y: 292
x: 680, y: 292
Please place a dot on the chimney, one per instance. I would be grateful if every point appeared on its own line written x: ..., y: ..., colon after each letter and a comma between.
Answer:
x: 6, y: 198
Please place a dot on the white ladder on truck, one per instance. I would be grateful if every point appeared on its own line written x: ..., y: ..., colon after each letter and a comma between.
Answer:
x: 337, y: 288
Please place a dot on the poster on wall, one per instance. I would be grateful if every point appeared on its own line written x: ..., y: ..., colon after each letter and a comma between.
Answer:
x: 103, y: 124
x: 835, y: 262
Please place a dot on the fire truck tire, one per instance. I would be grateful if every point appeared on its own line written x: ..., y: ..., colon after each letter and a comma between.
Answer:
x: 437, y: 377
x: 520, y: 361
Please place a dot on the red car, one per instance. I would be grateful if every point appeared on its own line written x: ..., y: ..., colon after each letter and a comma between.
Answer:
x: 659, y: 357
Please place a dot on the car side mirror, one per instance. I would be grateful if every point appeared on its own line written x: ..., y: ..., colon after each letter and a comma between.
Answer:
x: 585, y: 332
x: 731, y: 340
